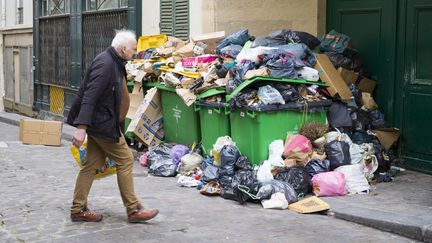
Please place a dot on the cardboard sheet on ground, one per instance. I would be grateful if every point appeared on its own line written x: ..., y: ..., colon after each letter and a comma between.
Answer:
x: 147, y: 123
x: 41, y: 132
x: 309, y: 205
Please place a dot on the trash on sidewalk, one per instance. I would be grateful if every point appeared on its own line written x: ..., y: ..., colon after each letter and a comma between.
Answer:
x: 309, y: 205
x: 41, y: 132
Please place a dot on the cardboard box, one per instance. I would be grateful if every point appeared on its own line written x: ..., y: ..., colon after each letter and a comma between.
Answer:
x: 40, y: 132
x: 210, y: 39
x: 348, y: 76
x: 309, y: 205
x: 331, y: 76
x: 387, y: 136
x: 367, y: 85
x: 147, y: 123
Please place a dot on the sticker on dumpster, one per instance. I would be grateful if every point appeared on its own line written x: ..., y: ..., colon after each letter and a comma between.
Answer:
x: 177, y: 113
x: 210, y: 111
x: 242, y: 114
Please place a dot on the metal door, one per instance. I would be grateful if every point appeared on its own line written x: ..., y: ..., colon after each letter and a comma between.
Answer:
x: 417, y: 95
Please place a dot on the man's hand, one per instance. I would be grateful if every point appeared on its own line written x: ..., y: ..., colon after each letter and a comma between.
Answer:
x: 79, y: 136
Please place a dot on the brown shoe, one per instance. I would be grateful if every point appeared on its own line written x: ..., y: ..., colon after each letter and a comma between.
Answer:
x: 86, y: 216
x: 140, y: 215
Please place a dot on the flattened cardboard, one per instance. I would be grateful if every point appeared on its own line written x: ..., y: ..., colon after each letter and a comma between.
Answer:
x: 187, y: 96
x: 368, y: 102
x: 135, y: 101
x: 147, y: 123
x: 387, y: 136
x: 309, y: 205
x: 331, y: 76
x: 210, y: 39
x: 41, y: 132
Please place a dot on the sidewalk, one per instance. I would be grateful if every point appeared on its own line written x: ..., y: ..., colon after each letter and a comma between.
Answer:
x: 403, y: 206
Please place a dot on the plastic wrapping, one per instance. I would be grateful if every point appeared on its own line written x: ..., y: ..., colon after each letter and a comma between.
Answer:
x: 269, y: 95
x: 231, y: 51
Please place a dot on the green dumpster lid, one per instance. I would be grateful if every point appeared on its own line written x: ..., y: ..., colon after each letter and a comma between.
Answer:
x: 159, y: 86
x: 263, y: 79
x: 210, y: 92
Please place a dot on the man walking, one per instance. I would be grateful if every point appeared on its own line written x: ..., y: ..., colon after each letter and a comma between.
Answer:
x: 100, y: 106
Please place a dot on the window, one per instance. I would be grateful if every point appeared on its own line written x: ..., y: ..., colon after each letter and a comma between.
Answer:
x: 19, y: 15
x: 95, y: 5
x: 55, y: 7
x: 174, y: 18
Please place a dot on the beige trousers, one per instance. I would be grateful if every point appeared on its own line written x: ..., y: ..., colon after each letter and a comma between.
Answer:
x: 97, y: 151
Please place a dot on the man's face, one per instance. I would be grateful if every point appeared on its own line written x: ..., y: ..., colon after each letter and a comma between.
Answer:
x: 129, y: 50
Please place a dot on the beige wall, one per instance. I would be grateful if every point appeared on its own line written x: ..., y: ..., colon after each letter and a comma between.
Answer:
x: 202, y: 16
x: 262, y: 17
x: 150, y: 17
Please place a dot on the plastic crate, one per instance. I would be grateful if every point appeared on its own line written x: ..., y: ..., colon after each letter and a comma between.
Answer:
x: 214, y: 119
x: 253, y: 130
x: 151, y: 41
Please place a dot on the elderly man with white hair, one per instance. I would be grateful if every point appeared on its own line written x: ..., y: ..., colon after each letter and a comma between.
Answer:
x: 99, y: 108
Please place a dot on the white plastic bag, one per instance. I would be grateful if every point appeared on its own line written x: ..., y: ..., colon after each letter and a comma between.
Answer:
x: 277, y: 201
x: 189, y: 162
x: 307, y: 73
x: 252, y: 53
x: 269, y: 95
x: 356, y: 153
x: 355, y: 179
x: 187, y: 181
x: 332, y: 136
x: 222, y: 141
x: 276, y: 149
x: 264, y: 172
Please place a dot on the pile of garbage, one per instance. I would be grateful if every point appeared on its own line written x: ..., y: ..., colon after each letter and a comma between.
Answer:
x: 356, y: 147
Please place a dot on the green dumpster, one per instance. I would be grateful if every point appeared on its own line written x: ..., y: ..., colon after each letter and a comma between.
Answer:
x: 181, y: 122
x: 214, y: 119
x: 254, y: 129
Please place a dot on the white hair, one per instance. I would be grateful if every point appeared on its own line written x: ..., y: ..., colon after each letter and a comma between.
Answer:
x: 123, y: 38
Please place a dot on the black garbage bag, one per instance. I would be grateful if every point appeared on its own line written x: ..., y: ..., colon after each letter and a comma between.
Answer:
x: 339, y: 115
x: 282, y: 66
x: 160, y: 162
x: 340, y: 60
x: 245, y: 182
x: 243, y: 164
x: 289, y: 92
x: 228, y: 157
x: 244, y: 98
x: 274, y: 186
x: 378, y: 119
x: 361, y: 120
x: 303, y: 37
x: 277, y: 38
x: 297, y: 176
x: 237, y: 38
x: 360, y: 137
x: 316, y: 166
x: 338, y: 153
x: 300, y: 54
x: 231, y: 51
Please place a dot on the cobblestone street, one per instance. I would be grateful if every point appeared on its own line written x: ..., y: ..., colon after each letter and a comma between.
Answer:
x: 36, y: 185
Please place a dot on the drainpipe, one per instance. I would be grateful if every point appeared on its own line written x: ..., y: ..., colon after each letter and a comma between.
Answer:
x: 2, y: 74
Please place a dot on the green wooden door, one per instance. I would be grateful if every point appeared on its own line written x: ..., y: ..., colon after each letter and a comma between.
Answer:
x: 417, y: 94
x: 372, y: 26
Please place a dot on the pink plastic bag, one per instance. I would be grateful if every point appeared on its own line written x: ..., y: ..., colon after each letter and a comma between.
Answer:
x: 296, y: 144
x: 143, y: 160
x: 329, y: 184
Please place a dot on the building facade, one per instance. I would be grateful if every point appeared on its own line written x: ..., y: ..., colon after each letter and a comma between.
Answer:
x: 16, y: 52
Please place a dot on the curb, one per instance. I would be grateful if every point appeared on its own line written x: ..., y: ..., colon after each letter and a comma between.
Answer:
x: 395, y: 223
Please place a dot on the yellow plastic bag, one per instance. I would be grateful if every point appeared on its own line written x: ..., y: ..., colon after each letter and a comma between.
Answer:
x: 79, y: 155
